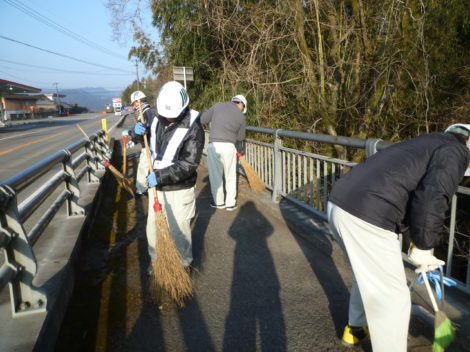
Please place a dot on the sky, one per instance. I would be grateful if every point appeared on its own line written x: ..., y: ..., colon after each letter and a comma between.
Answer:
x: 102, y: 61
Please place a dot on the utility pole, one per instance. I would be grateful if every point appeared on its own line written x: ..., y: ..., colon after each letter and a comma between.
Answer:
x: 58, y: 97
x: 137, y: 72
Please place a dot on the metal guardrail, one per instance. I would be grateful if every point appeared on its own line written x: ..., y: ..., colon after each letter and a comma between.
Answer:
x: 20, y: 265
x: 307, y: 178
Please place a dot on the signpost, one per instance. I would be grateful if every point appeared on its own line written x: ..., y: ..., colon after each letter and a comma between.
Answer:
x: 117, y: 105
x: 181, y: 73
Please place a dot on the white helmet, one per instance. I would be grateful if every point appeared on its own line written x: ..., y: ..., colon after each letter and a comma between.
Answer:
x: 172, y: 100
x: 137, y: 95
x: 464, y: 129
x: 240, y: 99
x: 460, y: 128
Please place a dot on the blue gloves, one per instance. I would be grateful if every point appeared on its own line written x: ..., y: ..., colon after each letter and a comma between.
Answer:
x: 139, y: 128
x: 152, y: 180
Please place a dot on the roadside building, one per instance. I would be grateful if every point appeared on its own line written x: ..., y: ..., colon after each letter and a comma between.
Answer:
x: 16, y: 102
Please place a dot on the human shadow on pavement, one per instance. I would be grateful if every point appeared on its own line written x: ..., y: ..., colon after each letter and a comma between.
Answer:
x: 255, y: 306
x: 200, y: 223
x: 320, y: 259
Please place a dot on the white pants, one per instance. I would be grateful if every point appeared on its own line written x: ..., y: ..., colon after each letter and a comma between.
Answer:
x: 222, y: 162
x: 179, y: 207
x: 142, y: 172
x: 380, y: 293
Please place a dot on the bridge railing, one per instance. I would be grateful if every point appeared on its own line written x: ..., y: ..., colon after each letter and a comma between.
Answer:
x: 307, y: 178
x: 20, y: 266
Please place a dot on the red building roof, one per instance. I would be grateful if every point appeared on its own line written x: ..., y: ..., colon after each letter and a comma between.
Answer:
x: 10, y: 87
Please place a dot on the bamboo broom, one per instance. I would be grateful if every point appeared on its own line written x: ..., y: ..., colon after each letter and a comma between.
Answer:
x: 256, y: 183
x: 124, y: 182
x: 168, y: 272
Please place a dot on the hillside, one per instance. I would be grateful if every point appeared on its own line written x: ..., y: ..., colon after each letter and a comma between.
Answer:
x: 95, y: 99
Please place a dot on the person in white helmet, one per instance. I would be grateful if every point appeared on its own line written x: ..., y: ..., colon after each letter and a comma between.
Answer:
x: 142, y: 168
x: 404, y: 188
x: 227, y: 127
x: 176, y: 140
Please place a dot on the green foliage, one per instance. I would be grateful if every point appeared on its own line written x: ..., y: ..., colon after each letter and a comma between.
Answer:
x: 360, y: 68
x: 145, y: 86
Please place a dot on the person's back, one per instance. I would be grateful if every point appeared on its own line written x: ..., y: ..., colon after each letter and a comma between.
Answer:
x: 378, y: 189
x: 227, y: 123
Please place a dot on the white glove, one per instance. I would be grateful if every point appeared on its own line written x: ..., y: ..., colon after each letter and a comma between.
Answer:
x: 424, y: 260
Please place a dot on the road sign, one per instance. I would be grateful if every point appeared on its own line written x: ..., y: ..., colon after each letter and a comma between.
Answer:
x: 181, y: 73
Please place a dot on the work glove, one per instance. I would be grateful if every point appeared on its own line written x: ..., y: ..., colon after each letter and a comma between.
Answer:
x: 139, y: 128
x: 152, y: 180
x: 424, y: 260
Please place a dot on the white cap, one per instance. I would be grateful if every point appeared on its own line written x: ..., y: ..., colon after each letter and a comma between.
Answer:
x: 137, y: 95
x: 240, y: 99
x: 464, y: 129
x: 172, y: 99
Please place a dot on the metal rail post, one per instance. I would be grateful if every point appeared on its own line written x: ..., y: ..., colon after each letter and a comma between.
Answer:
x: 92, y: 162
x: 71, y: 184
x: 277, y: 172
x: 21, y: 264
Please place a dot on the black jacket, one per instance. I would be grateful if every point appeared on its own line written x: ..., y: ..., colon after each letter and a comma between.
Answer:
x: 182, y: 174
x: 407, y: 186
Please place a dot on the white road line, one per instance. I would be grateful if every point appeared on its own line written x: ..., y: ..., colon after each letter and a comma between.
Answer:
x: 25, y: 134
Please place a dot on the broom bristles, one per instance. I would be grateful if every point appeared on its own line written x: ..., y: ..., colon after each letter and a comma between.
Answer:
x: 168, y: 272
x: 444, y: 332
x: 256, y: 183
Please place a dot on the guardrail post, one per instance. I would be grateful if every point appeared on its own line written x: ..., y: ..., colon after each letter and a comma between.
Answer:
x: 92, y: 162
x: 102, y: 149
x: 20, y: 264
x: 277, y: 169
x: 71, y: 184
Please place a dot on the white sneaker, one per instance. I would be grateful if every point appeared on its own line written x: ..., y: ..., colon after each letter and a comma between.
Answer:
x: 232, y: 208
x: 213, y: 205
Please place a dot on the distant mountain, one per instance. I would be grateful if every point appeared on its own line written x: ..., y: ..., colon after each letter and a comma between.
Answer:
x: 95, y: 99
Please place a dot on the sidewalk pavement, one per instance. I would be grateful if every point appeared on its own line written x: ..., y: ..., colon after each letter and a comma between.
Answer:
x: 269, y: 277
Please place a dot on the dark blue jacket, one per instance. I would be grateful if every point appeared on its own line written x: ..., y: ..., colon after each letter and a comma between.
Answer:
x: 407, y: 186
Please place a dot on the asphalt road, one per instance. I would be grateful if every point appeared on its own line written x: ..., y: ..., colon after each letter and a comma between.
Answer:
x: 23, y: 144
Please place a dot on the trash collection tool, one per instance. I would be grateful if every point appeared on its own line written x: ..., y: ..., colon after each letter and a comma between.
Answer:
x: 168, y: 272
x: 444, y: 330
x: 256, y: 183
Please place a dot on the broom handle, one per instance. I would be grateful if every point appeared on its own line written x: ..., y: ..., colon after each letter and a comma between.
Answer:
x: 147, y: 149
x: 428, y: 288
x: 86, y: 136
x: 124, y: 154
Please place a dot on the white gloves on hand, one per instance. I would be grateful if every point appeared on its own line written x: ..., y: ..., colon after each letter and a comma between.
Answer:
x: 424, y: 260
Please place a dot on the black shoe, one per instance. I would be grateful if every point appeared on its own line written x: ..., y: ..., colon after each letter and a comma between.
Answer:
x: 213, y: 205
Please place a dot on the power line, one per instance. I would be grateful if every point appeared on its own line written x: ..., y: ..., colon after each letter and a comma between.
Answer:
x: 66, y: 71
x: 63, y: 55
x: 54, y: 25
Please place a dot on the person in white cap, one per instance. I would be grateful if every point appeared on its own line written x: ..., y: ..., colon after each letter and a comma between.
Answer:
x: 404, y: 188
x: 142, y: 168
x: 176, y: 141
x: 227, y: 127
